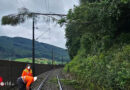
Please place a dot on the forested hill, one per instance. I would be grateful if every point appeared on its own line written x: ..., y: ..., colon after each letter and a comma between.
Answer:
x: 18, y: 47
x: 98, y: 41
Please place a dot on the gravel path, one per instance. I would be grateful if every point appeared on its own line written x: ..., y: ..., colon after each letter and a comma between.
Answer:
x: 50, y: 85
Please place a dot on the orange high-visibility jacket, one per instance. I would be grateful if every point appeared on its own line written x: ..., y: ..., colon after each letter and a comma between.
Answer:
x: 28, y: 80
x: 27, y: 72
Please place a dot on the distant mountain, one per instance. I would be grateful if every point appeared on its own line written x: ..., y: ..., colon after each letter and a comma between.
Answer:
x: 18, y: 47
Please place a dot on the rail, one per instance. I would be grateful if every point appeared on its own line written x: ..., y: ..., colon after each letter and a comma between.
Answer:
x: 45, y: 80
x: 59, y: 83
x: 42, y: 83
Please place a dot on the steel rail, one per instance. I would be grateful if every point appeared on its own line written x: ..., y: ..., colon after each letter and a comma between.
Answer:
x: 59, y: 83
x: 42, y: 83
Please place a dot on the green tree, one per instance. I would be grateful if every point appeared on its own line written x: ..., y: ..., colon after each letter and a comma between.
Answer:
x: 98, y: 40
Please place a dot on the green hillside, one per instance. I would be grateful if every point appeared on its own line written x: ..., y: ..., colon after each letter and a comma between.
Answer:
x: 39, y: 61
x: 11, y: 48
x: 98, y: 41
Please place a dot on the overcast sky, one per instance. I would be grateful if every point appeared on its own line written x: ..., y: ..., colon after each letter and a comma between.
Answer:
x: 50, y: 33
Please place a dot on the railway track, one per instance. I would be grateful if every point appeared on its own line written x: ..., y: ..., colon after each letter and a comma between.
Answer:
x: 46, y: 85
x: 42, y: 83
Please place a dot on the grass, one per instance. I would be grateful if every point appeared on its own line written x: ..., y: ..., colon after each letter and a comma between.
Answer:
x: 38, y: 61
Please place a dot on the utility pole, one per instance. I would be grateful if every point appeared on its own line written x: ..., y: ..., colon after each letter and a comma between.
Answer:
x: 62, y: 60
x: 33, y: 38
x: 33, y: 45
x: 52, y: 57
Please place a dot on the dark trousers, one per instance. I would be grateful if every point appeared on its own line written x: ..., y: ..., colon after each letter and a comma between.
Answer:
x: 21, y: 84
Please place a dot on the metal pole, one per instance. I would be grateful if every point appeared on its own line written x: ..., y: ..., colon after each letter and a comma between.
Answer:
x: 52, y: 57
x: 62, y: 60
x: 33, y: 46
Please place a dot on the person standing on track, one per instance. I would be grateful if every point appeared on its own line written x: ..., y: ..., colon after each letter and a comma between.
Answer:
x: 24, y: 82
x: 27, y: 71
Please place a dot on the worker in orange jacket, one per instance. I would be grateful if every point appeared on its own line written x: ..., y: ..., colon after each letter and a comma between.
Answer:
x: 27, y: 71
x: 24, y: 82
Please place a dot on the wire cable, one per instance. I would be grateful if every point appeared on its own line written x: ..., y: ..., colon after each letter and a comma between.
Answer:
x: 20, y: 3
x: 42, y: 34
x: 23, y: 3
x: 75, y: 2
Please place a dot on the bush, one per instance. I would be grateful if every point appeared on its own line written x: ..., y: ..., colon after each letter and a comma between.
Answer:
x: 107, y: 70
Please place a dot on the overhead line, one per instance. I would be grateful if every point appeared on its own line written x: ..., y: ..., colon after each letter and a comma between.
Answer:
x: 23, y: 3
x: 76, y: 1
x: 41, y: 35
x: 18, y: 2
x: 48, y: 6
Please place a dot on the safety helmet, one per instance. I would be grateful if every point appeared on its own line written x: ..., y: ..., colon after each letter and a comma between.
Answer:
x: 28, y: 66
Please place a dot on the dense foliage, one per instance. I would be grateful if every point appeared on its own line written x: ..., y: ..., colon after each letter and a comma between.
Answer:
x: 98, y: 41
x: 11, y: 48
